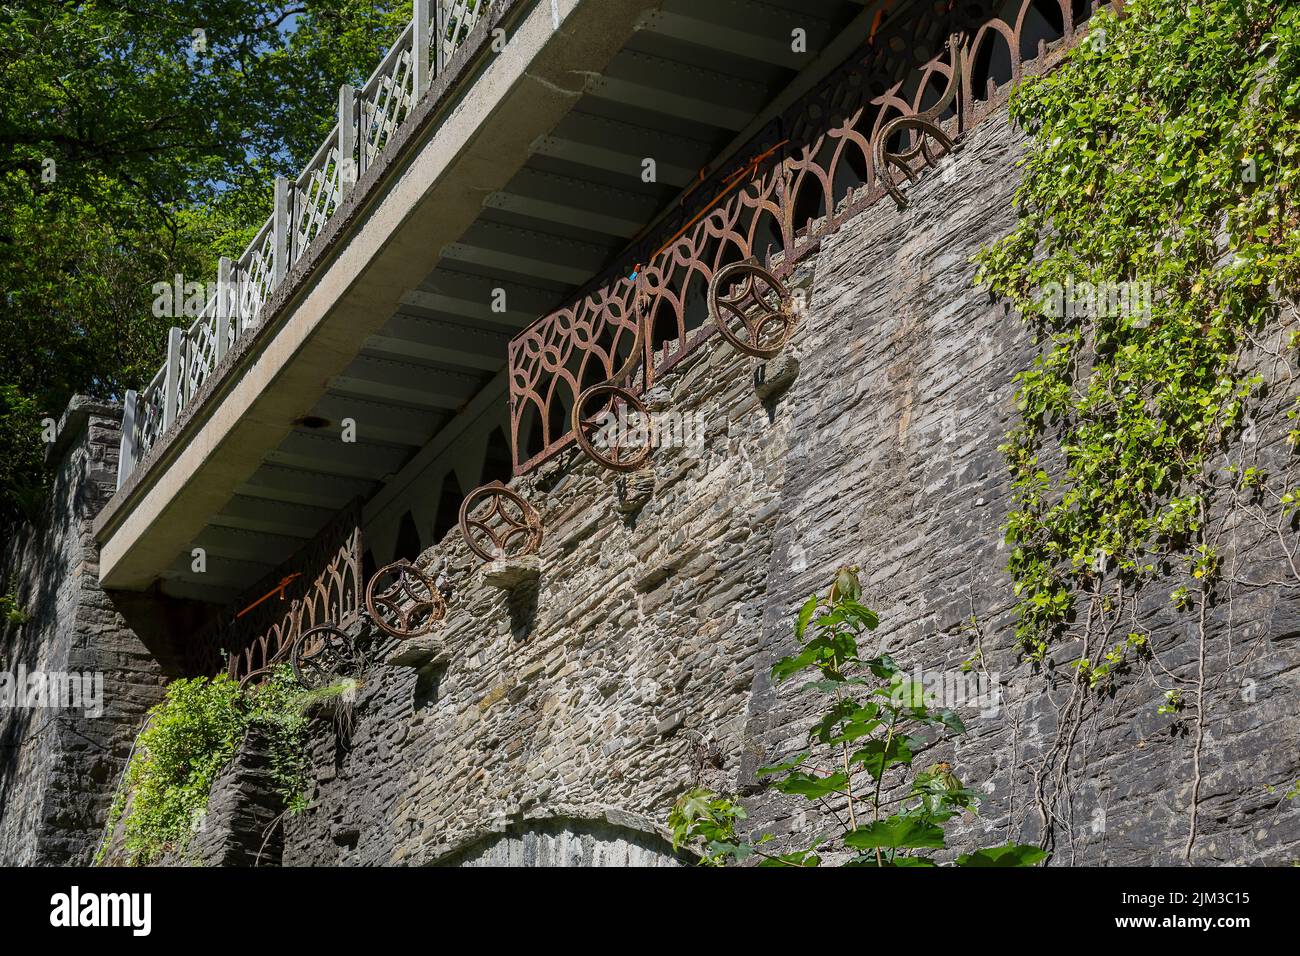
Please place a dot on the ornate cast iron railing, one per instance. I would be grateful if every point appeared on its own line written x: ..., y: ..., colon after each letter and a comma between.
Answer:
x: 302, y: 614
x: 860, y: 135
x: 320, y: 585
x: 367, y: 121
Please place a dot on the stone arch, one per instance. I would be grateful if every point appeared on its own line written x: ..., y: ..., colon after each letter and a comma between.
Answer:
x: 566, y: 841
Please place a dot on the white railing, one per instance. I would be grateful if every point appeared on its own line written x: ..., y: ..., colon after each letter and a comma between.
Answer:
x: 368, y: 119
x: 387, y: 97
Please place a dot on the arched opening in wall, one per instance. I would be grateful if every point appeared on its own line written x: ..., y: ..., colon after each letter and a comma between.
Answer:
x: 530, y: 438
x: 990, y: 63
x: 562, y: 841
x: 559, y: 409
x: 1044, y: 22
x: 936, y: 85
x: 767, y: 238
x: 449, y: 499
x: 408, y: 539
x: 849, y: 175
x: 1080, y: 10
x: 496, y: 459
x: 809, y: 199
x: 664, y: 338
x: 855, y: 161
x: 695, y: 303
x: 594, y: 370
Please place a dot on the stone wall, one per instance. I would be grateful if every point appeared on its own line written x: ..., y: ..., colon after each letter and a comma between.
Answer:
x: 638, y: 665
x: 59, y: 767
x: 555, y: 722
x: 905, y: 394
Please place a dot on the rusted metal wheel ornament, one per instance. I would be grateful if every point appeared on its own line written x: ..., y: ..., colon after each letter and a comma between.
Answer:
x: 605, y: 414
x: 499, y: 523
x: 922, y: 127
x: 404, y: 601
x: 322, y: 654
x: 760, y: 301
x: 605, y: 420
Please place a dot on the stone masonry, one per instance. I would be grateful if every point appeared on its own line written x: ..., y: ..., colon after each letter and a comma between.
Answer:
x: 637, y: 666
x: 555, y: 721
x: 60, y: 767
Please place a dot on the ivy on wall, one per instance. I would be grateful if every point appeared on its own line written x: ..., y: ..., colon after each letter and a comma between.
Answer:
x: 190, y: 738
x: 1158, y: 230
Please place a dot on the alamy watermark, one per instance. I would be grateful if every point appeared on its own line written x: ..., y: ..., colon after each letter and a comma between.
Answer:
x: 633, y: 429
x: 1097, y: 300
x: 952, y: 689
x: 183, y: 298
x: 54, y: 690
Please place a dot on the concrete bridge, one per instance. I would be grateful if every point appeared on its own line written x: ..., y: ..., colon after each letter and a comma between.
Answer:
x: 498, y: 160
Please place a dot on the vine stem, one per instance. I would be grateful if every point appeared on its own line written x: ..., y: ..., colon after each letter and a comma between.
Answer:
x: 875, y: 800
x: 1200, y: 731
x: 853, y: 813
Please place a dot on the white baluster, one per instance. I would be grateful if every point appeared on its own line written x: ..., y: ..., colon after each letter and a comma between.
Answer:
x: 420, y: 51
x: 126, y: 450
x: 347, y: 138
x: 227, y: 308
x: 280, y: 227
x: 172, y: 377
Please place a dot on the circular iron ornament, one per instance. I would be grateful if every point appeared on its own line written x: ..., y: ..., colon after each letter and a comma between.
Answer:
x: 510, y: 523
x: 921, y: 128
x: 587, y: 428
x: 322, y: 654
x: 409, y: 603
x: 760, y: 301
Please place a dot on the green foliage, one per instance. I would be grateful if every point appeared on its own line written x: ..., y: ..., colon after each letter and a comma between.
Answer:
x: 1165, y: 155
x: 875, y: 723
x: 700, y: 815
x: 11, y: 612
x: 128, y: 155
x: 191, y: 736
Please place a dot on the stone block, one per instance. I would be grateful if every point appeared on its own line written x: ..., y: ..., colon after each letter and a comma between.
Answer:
x: 774, y: 376
x: 509, y: 574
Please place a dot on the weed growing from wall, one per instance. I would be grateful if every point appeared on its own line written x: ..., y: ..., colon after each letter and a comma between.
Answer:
x: 860, y: 759
x: 190, y: 737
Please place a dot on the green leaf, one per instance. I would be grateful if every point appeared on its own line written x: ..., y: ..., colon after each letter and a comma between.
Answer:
x: 786, y: 666
x: 896, y: 833
x: 1011, y: 854
x: 813, y: 787
x: 805, y: 615
x: 951, y: 720
x: 876, y: 756
x: 784, y: 767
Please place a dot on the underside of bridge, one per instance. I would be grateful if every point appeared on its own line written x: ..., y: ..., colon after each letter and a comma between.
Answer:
x: 512, y: 191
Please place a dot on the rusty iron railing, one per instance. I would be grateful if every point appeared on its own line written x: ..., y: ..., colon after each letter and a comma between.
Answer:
x: 320, y: 585
x: 859, y: 136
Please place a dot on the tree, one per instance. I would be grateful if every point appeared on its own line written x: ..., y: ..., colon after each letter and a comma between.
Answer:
x: 139, y: 139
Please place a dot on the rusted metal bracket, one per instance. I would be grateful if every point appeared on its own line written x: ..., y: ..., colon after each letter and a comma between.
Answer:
x: 923, y: 127
x: 408, y: 604
x: 323, y: 654
x: 764, y: 307
x: 614, y: 401
x: 497, y: 523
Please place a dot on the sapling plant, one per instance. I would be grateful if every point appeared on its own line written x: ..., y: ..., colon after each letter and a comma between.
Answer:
x: 859, y: 767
